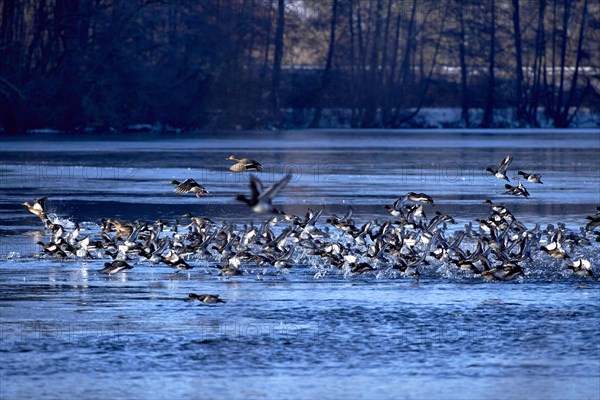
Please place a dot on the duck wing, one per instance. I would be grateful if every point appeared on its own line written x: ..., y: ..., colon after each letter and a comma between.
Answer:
x: 504, y: 164
x: 252, y: 164
x: 40, y: 204
x: 185, y: 186
x: 256, y: 187
x: 272, y: 190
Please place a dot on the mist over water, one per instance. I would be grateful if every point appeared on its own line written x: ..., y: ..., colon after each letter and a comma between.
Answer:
x: 68, y: 331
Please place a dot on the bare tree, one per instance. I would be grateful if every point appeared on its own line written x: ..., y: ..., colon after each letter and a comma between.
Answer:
x: 326, y: 77
x: 488, y: 112
x: 520, y: 101
x: 276, y: 78
x: 557, y: 107
x: 464, y: 73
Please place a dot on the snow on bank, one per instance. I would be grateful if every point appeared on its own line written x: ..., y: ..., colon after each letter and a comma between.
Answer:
x: 447, y: 119
x: 440, y: 118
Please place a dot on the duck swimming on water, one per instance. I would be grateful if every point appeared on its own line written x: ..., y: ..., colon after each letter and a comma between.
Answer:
x: 205, y: 298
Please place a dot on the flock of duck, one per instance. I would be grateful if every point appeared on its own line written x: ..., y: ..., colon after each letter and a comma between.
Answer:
x: 499, y: 247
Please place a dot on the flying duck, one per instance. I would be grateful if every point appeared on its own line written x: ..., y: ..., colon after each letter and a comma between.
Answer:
x: 500, y: 171
x: 519, y: 190
x: 419, y: 198
x: 555, y: 250
x: 244, y: 164
x: 261, y: 199
x: 187, y: 186
x: 115, y: 267
x: 38, y: 207
x: 533, y: 178
x: 581, y: 267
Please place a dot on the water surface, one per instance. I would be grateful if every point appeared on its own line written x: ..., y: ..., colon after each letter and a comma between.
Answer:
x: 67, y: 331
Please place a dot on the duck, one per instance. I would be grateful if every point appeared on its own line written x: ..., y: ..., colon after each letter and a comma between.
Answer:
x: 500, y: 171
x: 419, y: 198
x: 504, y: 272
x: 244, y: 164
x: 555, y: 249
x: 594, y: 221
x: 533, y: 178
x: 261, y: 199
x: 581, y: 267
x: 38, y: 207
x: 123, y: 228
x: 115, y: 267
x: 396, y: 209
x: 187, y: 186
x: 174, y: 260
x: 229, y: 270
x: 518, y: 190
x: 205, y: 298
x: 53, y: 249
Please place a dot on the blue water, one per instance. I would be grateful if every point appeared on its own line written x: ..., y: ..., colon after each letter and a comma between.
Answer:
x: 67, y: 331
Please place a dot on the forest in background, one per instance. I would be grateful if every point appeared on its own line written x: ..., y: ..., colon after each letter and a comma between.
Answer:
x: 252, y: 64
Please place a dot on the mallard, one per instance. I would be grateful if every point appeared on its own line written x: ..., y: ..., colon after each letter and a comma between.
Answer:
x: 261, y: 200
x: 205, y: 298
x: 38, y: 207
x: 500, y: 171
x: 123, y: 229
x: 187, y: 186
x: 244, y: 164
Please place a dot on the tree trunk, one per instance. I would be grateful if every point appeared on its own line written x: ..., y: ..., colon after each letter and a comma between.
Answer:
x: 352, y: 85
x: 276, y: 78
x: 539, y: 60
x: 405, y: 66
x: 488, y: 113
x: 463, y: 71
x: 265, y: 65
x: 519, y: 62
x: 327, y: 72
x: 388, y: 116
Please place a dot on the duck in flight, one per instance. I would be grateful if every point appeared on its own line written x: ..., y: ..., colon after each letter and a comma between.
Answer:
x: 115, y: 267
x: 519, y: 190
x: 581, y: 267
x: 261, y: 199
x: 533, y: 178
x: 38, y: 207
x: 419, y: 198
x: 187, y: 186
x: 500, y: 171
x: 244, y: 164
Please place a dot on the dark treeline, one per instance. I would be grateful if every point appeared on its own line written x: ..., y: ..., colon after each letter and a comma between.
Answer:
x: 69, y: 64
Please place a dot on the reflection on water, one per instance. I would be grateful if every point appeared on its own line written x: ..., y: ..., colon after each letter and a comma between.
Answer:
x: 67, y: 331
